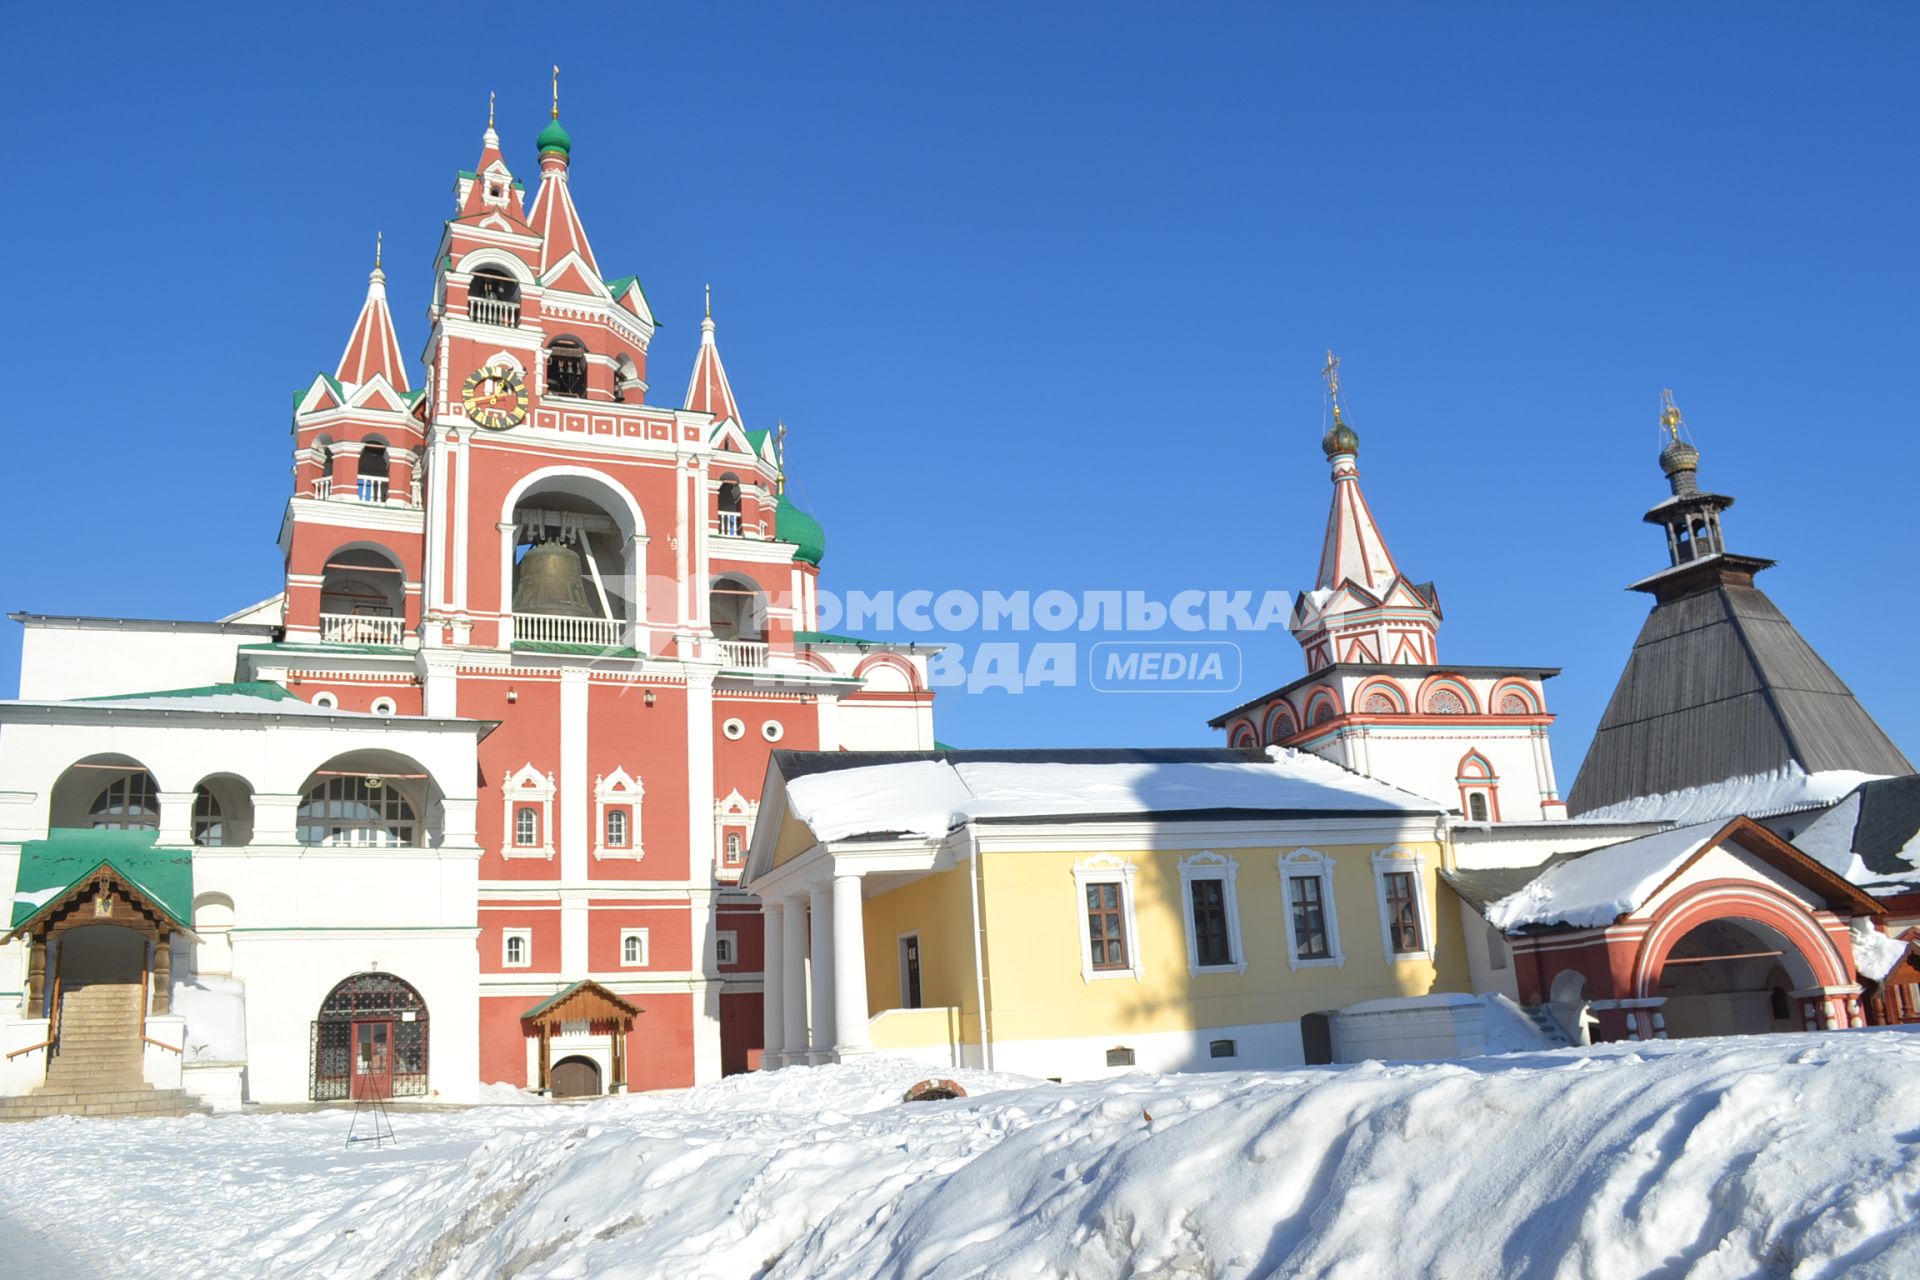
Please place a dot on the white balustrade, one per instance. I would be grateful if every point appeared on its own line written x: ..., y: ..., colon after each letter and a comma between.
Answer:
x: 353, y: 628
x: 743, y: 653
x: 546, y: 628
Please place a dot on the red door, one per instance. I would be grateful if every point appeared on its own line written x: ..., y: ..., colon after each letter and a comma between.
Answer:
x: 372, y: 1060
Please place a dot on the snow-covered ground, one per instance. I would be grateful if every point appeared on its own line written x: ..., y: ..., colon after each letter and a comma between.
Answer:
x: 1765, y: 1156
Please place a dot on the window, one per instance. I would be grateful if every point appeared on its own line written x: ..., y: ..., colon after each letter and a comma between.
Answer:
x: 726, y: 947
x: 734, y: 730
x: 1309, y: 917
x: 357, y: 813
x: 1103, y: 888
x: 209, y: 830
x: 516, y: 948
x: 1213, y: 914
x: 1223, y: 1049
x: 1403, y: 914
x: 616, y: 828
x: 1106, y: 926
x: 773, y: 731
x: 1122, y: 1057
x: 526, y: 826
x: 384, y: 706
x: 1477, y: 806
x: 325, y: 701
x: 616, y: 799
x: 566, y: 368
x: 633, y: 948
x: 735, y: 849
x: 1312, y: 923
x: 128, y: 803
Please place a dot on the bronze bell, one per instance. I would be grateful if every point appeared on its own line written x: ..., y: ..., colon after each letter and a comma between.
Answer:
x: 548, y: 581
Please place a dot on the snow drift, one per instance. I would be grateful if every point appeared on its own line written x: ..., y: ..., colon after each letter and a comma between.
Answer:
x: 1765, y: 1156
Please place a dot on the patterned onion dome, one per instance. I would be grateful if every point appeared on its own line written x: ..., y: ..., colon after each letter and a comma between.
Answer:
x: 1340, y: 438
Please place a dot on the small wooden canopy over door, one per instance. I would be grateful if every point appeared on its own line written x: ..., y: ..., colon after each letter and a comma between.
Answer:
x: 589, y: 1003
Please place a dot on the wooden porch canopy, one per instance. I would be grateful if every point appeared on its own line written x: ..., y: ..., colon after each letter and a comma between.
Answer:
x: 605, y: 1014
x: 78, y: 877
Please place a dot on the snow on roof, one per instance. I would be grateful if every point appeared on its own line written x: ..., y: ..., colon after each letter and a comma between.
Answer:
x: 929, y: 798
x: 1874, y: 953
x: 1832, y: 840
x: 1753, y: 795
x: 1597, y: 888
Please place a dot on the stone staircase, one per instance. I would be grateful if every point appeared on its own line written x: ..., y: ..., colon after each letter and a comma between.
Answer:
x: 1542, y: 1016
x: 97, y: 1069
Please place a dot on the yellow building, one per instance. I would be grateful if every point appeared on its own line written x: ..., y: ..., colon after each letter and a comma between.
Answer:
x: 1069, y: 913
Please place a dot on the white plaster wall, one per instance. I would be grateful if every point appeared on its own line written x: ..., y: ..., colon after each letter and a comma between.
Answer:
x: 1480, y: 945
x: 76, y: 662
x: 1724, y: 863
x: 1476, y: 847
x: 1427, y: 762
x: 1411, y: 1035
x: 1260, y: 1046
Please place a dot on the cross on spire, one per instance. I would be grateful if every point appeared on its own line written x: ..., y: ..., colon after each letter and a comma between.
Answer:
x: 556, y: 91
x: 489, y: 108
x: 1331, y: 372
x: 1670, y: 418
x: 376, y: 250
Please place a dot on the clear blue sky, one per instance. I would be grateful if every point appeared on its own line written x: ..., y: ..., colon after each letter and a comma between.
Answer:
x: 1042, y: 292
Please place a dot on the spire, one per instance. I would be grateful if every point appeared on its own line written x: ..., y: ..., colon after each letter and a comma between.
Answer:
x: 373, y: 348
x: 709, y: 390
x: 553, y: 215
x: 492, y: 186
x: 1691, y: 517
x: 1353, y: 551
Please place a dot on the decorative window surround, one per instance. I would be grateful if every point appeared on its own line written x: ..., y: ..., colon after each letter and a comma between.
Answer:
x: 737, y: 812
x: 1311, y: 863
x: 527, y: 786
x: 1208, y: 865
x: 1104, y: 868
x: 633, y: 942
x: 1401, y: 859
x: 726, y: 947
x: 516, y: 948
x: 618, y: 790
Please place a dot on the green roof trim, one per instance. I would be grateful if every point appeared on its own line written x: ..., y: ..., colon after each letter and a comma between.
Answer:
x: 758, y: 439
x: 322, y: 647
x: 943, y: 746
x: 593, y: 650
x: 413, y: 397
x: 829, y: 637
x: 620, y: 284
x: 575, y: 988
x: 50, y: 869
x: 264, y: 689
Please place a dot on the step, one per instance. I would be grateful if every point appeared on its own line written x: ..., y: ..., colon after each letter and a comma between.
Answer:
x: 76, y: 1097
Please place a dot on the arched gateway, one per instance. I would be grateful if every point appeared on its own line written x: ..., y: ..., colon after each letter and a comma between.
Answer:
x: 370, y: 1040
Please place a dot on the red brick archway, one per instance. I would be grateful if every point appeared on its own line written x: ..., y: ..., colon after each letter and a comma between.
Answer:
x: 1808, y: 951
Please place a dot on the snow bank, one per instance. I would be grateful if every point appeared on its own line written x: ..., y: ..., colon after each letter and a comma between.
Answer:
x: 1597, y: 888
x: 216, y: 1014
x: 1754, y: 795
x: 1783, y: 1155
x: 929, y: 798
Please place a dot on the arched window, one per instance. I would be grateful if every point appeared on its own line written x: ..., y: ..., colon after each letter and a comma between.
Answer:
x: 737, y: 609
x: 209, y: 829
x: 322, y: 456
x: 633, y: 949
x: 734, y: 848
x: 516, y: 953
x: 357, y: 813
x: 566, y: 368
x: 1477, y: 806
x: 526, y: 826
x: 493, y: 297
x: 370, y: 1041
x: 130, y: 802
x: 616, y: 828
x: 372, y: 483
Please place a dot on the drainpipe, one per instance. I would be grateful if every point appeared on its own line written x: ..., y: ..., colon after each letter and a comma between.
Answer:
x: 979, y: 968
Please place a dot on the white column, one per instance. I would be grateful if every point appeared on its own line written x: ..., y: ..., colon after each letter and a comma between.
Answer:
x: 849, y: 969
x: 176, y: 817
x: 772, y: 979
x: 575, y: 803
x: 820, y: 951
x: 793, y: 1005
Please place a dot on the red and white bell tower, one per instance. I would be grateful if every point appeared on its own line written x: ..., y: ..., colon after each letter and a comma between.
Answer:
x: 623, y: 587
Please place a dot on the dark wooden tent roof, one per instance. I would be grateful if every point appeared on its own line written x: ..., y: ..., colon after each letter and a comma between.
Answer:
x: 1720, y: 685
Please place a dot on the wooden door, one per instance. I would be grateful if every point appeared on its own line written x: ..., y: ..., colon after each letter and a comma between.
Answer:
x: 372, y: 1060
x: 576, y: 1078
x: 910, y: 970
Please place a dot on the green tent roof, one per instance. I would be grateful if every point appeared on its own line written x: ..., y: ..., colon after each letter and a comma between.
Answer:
x: 50, y: 868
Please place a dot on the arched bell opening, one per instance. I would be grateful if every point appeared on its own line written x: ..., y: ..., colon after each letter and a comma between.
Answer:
x: 729, y: 504
x: 575, y: 563
x: 374, y: 470
x: 493, y: 297
x: 567, y: 368
x: 1733, y: 976
x: 362, y: 598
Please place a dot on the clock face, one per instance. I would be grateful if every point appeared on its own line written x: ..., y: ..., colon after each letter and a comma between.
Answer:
x: 496, y: 397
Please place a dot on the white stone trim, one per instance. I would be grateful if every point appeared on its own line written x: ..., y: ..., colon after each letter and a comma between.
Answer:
x: 729, y: 940
x: 1310, y: 863
x: 527, y: 785
x: 1208, y: 865
x: 1402, y: 859
x: 525, y: 938
x: 646, y: 949
x: 621, y: 790
x: 1105, y: 868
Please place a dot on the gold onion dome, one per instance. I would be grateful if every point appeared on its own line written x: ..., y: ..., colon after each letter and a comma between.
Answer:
x: 1340, y: 438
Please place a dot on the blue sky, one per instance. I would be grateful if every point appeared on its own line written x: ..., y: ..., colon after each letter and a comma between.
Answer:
x: 1042, y: 292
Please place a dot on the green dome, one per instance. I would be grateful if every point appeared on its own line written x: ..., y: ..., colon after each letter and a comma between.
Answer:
x: 555, y: 138
x: 1340, y: 439
x: 791, y: 524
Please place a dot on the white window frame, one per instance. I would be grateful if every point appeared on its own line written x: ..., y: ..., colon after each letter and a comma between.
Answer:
x: 730, y: 940
x: 735, y: 810
x: 527, y: 785
x: 1311, y: 864
x: 507, y: 938
x: 619, y: 790
x: 1402, y: 859
x: 1208, y: 865
x: 327, y: 700
x: 1105, y: 868
x: 385, y: 707
x: 646, y: 951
